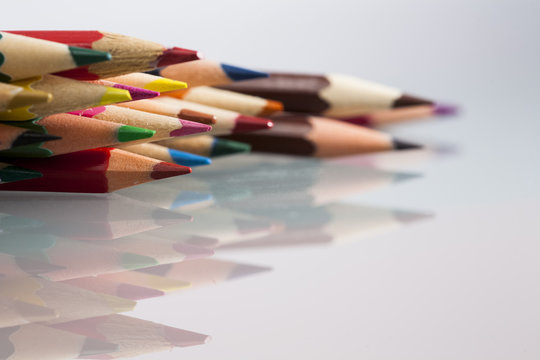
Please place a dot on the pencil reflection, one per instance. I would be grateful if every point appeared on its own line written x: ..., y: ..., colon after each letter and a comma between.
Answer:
x: 69, y: 264
x: 82, y: 216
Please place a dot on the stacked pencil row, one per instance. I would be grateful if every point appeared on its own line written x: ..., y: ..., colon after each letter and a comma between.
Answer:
x: 91, y: 111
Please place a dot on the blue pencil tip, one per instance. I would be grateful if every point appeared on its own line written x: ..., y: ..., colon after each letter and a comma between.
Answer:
x: 239, y: 74
x: 188, y: 159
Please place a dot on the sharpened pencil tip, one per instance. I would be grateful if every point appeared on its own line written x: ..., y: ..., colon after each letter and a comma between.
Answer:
x: 408, y: 100
x: 134, y: 292
x: 138, y: 93
x: 113, y: 95
x: 188, y: 159
x: 15, y: 173
x: 405, y: 145
x: 164, y: 170
x: 131, y: 133
x: 165, y: 85
x: 222, y: 147
x: 83, y: 56
x: 236, y: 73
x: 190, y: 127
x: 445, y: 110
x: 246, y: 123
x: 177, y: 55
x: 271, y: 107
x: 196, y: 116
x: 33, y: 137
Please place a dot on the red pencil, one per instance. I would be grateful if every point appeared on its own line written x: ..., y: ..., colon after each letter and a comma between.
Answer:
x: 93, y: 171
x: 129, y: 54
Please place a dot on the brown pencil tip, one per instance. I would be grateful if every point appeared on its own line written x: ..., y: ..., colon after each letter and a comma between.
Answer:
x: 200, y: 117
x: 408, y: 100
x: 405, y: 145
x: 271, y: 107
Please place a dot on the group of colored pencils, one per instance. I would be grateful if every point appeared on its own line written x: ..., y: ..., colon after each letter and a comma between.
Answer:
x: 92, y: 111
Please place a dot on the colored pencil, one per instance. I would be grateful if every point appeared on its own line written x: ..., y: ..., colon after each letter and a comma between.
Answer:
x: 34, y: 341
x: 12, y: 96
x: 128, y: 54
x: 135, y: 92
x: 203, y: 272
x: 206, y: 145
x: 16, y: 312
x: 76, y: 132
x: 69, y: 302
x: 227, y: 122
x: 68, y: 95
x: 401, y: 115
x: 331, y: 95
x: 10, y: 173
x: 207, y: 73
x: 13, y: 137
x: 93, y: 171
x: 84, y: 216
x: 149, y: 82
x: 133, y: 336
x: 77, y: 258
x: 163, y: 153
x: 320, y: 137
x: 24, y: 57
x: 229, y: 100
x: 172, y: 110
x: 115, y: 288
x: 164, y: 126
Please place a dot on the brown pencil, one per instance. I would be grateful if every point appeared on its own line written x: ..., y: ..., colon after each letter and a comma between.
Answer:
x: 319, y: 137
x: 333, y: 95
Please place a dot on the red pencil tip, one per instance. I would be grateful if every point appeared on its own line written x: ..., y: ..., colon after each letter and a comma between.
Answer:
x: 177, y: 55
x: 246, y: 123
x: 164, y: 170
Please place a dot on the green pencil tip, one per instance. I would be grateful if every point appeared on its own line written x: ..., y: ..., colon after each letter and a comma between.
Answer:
x: 131, y: 133
x: 222, y: 147
x: 132, y: 261
x: 83, y: 56
x: 15, y: 173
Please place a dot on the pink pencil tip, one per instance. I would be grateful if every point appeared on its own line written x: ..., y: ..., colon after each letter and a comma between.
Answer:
x: 138, y: 93
x: 444, y: 110
x: 190, y: 127
x: 176, y: 55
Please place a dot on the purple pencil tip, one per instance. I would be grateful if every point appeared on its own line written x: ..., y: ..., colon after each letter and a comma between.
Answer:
x: 446, y: 110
